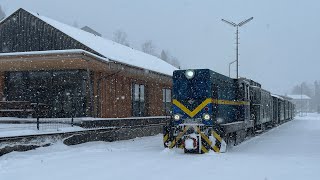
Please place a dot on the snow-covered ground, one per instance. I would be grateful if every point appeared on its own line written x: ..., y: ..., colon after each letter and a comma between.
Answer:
x: 7, y: 130
x: 290, y: 151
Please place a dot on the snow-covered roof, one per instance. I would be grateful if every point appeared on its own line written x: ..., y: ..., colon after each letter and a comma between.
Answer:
x: 112, y: 50
x: 299, y: 96
x: 277, y: 96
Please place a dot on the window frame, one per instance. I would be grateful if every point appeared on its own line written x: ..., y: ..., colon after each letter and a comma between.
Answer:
x: 138, y: 100
x: 166, y: 103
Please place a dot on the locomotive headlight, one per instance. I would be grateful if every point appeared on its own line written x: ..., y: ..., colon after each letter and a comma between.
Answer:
x: 220, y: 120
x: 206, y: 117
x: 176, y: 117
x: 189, y: 74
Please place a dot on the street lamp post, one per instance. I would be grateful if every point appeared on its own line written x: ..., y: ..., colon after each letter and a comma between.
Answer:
x: 237, y: 38
x: 230, y: 65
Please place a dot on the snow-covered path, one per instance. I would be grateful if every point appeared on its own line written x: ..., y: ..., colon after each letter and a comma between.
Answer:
x: 290, y: 151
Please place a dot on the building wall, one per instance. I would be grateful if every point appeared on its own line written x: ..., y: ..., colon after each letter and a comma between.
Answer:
x: 114, y: 97
x: 119, y: 96
x: 156, y: 106
x: 302, y: 105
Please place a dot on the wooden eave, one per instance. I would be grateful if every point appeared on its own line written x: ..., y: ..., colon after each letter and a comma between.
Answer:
x: 52, y: 61
x: 37, y: 61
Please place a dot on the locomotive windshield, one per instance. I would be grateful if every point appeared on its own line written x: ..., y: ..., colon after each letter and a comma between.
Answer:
x: 197, y: 87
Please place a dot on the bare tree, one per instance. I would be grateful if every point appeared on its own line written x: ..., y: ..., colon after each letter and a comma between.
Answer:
x: 164, y: 55
x: 296, y: 89
x: 2, y: 13
x: 175, y: 62
x: 120, y: 37
x: 75, y: 24
x: 303, y: 88
x: 148, y: 48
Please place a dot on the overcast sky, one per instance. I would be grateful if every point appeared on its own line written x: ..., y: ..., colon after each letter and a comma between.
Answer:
x: 279, y: 48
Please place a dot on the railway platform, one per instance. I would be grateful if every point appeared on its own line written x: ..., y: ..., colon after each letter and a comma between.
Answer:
x: 18, y: 134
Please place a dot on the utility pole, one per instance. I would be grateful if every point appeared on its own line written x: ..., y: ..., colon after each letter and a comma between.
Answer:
x: 237, y: 38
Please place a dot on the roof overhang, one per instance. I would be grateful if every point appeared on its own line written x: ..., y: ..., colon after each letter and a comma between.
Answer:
x: 51, y: 60
x: 73, y: 59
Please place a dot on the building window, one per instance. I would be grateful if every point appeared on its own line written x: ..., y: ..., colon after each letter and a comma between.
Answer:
x: 63, y: 91
x: 166, y: 99
x: 138, y: 100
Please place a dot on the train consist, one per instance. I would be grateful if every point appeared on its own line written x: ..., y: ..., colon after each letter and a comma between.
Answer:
x: 211, y: 111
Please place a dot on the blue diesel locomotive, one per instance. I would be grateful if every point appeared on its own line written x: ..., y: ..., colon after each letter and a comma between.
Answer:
x: 210, y: 110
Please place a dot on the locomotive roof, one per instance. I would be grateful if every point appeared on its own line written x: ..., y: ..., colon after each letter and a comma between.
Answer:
x: 299, y: 96
x: 252, y: 82
x: 220, y: 76
x: 277, y: 96
x: 213, y: 74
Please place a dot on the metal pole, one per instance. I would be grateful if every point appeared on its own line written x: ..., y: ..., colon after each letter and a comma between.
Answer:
x: 230, y: 65
x: 72, y: 121
x: 37, y: 114
x: 38, y: 122
x: 229, y: 69
x: 237, y: 51
x: 237, y: 38
x: 301, y: 114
